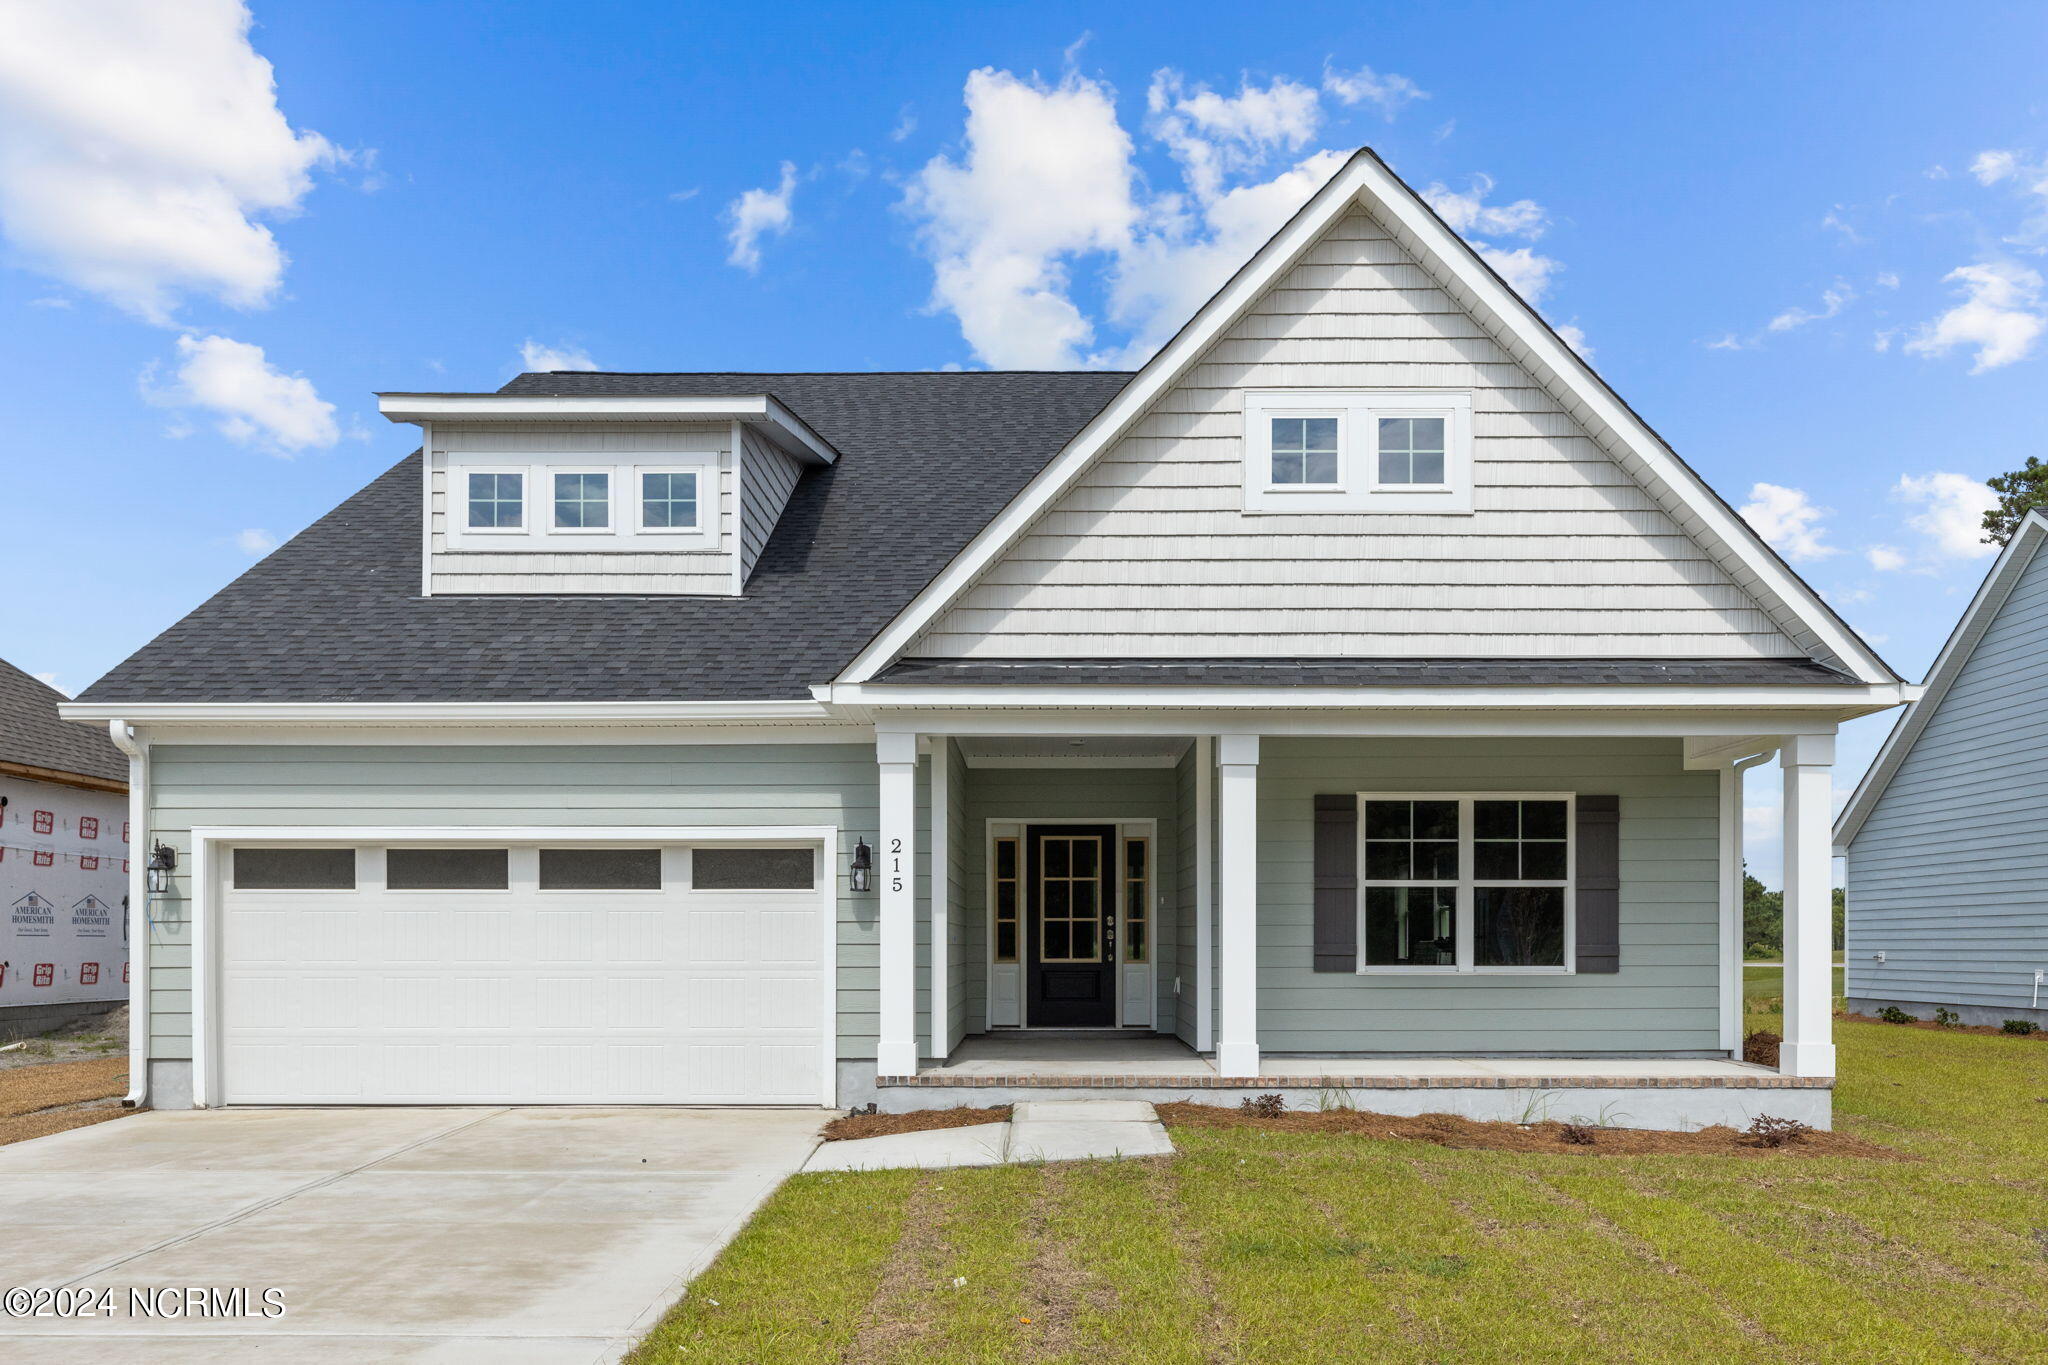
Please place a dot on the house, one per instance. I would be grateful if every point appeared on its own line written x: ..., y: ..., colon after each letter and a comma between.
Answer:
x: 1348, y: 699
x: 1947, y: 837
x: 64, y: 828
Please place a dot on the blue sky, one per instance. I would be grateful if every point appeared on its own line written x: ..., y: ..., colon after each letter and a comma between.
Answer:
x: 1806, y: 242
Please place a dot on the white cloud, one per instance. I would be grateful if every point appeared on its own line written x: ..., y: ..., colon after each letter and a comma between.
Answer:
x: 1213, y: 135
x: 252, y: 402
x: 1834, y: 220
x: 1527, y: 273
x: 1885, y: 559
x: 2000, y: 316
x: 1469, y: 212
x: 140, y: 142
x: 1727, y: 341
x: 533, y: 355
x: 1832, y: 301
x: 1951, y: 515
x: 255, y: 541
x: 1387, y: 92
x: 1787, y: 519
x: 1886, y: 279
x: 906, y: 124
x: 50, y: 680
x: 1575, y: 337
x: 1990, y: 167
x: 756, y: 214
x: 1046, y: 175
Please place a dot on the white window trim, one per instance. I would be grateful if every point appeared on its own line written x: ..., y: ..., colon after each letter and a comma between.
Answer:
x: 639, y: 499
x: 460, y: 500
x: 1358, y: 488
x: 1466, y: 883
x: 611, y: 500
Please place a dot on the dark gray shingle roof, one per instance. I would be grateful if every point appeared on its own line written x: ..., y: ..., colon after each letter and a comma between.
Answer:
x: 335, y: 614
x: 1363, y: 672
x: 31, y: 731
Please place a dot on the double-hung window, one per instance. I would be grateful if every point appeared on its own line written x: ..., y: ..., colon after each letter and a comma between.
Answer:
x: 1465, y: 883
x: 583, y: 500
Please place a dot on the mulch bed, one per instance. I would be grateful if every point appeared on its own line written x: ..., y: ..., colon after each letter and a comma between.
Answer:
x: 36, y: 1101
x: 1983, y: 1030
x: 1448, y: 1130
x: 850, y: 1126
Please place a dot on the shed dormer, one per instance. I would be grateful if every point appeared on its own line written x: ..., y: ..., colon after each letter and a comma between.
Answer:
x: 632, y: 495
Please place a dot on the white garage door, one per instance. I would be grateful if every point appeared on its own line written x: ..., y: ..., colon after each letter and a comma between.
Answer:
x: 523, y: 974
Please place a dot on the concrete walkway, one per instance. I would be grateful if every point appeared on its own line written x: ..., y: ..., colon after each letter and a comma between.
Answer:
x: 513, y: 1236
x: 1038, y: 1130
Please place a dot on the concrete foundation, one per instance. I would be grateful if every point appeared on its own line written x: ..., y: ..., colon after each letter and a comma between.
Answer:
x: 170, y: 1085
x: 1992, y: 1016
x: 27, y: 1021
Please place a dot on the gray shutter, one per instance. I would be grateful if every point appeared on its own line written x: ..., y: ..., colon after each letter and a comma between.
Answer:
x: 1336, y: 871
x: 1599, y: 883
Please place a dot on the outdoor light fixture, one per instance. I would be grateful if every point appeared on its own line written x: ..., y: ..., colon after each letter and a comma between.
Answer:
x: 162, y: 859
x: 863, y: 864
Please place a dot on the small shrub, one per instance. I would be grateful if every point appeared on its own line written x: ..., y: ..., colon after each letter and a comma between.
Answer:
x: 1761, y: 1048
x: 1947, y: 1018
x: 1768, y: 1130
x: 1264, y: 1106
x: 2022, y: 1027
x: 1892, y: 1014
x: 1579, y: 1134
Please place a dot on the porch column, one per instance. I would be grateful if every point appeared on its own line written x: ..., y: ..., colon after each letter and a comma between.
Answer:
x: 1808, y: 764
x: 896, y: 928
x: 1237, y: 886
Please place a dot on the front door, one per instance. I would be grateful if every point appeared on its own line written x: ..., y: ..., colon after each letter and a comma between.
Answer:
x: 1070, y: 926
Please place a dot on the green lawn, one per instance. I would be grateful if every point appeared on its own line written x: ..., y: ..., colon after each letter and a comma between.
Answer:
x: 1255, y: 1247
x: 1768, y: 983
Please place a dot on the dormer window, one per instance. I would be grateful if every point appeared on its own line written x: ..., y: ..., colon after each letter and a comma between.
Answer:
x: 583, y: 501
x: 1360, y: 450
x: 497, y: 501
x: 668, y: 500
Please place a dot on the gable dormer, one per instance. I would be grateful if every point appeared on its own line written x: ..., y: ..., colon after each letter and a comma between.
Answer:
x: 632, y: 495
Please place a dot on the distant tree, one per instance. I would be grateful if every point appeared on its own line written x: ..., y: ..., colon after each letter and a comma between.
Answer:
x: 1763, y: 920
x: 2018, y: 492
x: 1841, y: 918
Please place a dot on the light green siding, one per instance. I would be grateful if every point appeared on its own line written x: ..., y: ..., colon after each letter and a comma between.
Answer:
x: 651, y: 784
x: 1665, y: 996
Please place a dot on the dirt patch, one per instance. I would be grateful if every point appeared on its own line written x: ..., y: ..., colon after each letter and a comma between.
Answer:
x: 1448, y: 1130
x: 98, y: 1035
x: 849, y: 1126
x: 1983, y: 1030
x: 36, y: 1101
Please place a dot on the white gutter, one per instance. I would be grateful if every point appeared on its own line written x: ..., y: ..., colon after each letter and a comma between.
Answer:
x: 137, y: 749
x: 448, y: 712
x: 1602, y: 697
x: 790, y: 431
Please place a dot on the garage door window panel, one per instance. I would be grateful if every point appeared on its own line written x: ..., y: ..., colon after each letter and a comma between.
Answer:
x: 295, y: 869
x: 753, y: 869
x: 600, y: 869
x: 448, y: 869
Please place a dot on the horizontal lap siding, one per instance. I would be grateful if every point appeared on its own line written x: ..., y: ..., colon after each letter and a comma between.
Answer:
x: 1151, y: 553
x: 1063, y: 794
x: 1948, y: 876
x: 1664, y: 997
x: 963, y: 941
x: 694, y: 572
x: 652, y: 784
x: 1185, y: 833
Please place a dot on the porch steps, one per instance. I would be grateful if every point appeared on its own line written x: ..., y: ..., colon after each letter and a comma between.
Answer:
x: 1038, y: 1130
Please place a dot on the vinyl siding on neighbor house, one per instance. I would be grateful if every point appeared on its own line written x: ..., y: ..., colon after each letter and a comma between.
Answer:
x: 533, y: 785
x: 1665, y: 996
x: 1151, y: 552
x: 1948, y: 876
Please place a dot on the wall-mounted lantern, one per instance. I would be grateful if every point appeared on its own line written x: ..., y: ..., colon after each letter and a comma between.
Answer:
x: 163, y: 860
x: 863, y: 865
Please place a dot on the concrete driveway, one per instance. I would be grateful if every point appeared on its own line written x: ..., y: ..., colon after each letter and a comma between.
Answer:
x: 516, y: 1236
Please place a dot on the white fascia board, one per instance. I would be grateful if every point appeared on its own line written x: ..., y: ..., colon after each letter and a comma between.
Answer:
x: 1991, y: 595
x: 1358, y: 721
x: 1365, y: 174
x: 765, y: 411
x: 444, y: 713
x: 1849, y: 701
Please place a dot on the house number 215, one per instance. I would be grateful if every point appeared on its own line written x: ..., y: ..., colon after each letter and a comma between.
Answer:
x: 896, y: 865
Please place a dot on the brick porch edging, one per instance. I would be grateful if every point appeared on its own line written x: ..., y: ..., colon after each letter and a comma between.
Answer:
x: 1212, y: 1082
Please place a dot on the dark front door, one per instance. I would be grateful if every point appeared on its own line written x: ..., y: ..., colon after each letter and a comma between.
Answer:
x: 1070, y: 926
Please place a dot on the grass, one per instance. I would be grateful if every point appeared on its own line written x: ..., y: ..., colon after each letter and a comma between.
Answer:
x: 1255, y: 1246
x: 1764, y: 987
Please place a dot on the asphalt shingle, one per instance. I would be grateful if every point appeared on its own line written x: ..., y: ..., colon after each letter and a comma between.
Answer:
x: 32, y: 733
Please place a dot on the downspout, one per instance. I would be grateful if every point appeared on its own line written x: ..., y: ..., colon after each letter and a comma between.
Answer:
x: 128, y: 742
x: 1731, y: 926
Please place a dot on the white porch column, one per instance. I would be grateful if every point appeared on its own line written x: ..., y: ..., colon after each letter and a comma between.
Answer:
x: 1809, y: 1047
x: 896, y: 875
x: 1237, y: 885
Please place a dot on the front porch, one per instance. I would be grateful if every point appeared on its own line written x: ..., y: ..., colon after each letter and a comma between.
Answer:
x: 1626, y: 1092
